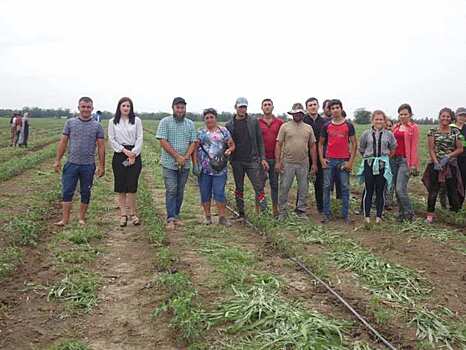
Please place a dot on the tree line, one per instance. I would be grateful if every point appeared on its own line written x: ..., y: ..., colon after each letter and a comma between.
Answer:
x: 361, y: 115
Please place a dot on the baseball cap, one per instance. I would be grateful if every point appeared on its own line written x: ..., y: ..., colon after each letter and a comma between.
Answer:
x: 241, y: 102
x: 297, y: 108
x: 461, y: 111
x: 178, y: 100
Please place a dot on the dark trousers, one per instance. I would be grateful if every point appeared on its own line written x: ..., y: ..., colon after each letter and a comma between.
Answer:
x: 462, y: 166
x: 451, y: 187
x: 272, y: 176
x: 373, y: 184
x: 319, y: 188
x: 252, y: 170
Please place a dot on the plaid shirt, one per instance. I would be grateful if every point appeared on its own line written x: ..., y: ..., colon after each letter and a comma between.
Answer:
x: 180, y: 135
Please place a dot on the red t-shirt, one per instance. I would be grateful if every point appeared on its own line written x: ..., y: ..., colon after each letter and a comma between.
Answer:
x: 400, y: 150
x: 337, y: 139
x: 269, y: 134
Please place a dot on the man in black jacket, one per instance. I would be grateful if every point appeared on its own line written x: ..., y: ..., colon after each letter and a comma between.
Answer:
x: 314, y: 119
x: 249, y: 155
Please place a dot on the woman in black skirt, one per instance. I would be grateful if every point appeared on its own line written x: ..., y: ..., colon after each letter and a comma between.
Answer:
x: 125, y: 135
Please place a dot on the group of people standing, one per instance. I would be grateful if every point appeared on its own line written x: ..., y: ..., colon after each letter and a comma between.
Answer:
x: 19, y: 127
x: 309, y: 147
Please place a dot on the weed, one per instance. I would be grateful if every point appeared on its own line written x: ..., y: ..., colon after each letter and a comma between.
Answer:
x: 9, y: 258
x: 69, y: 345
x: 79, y: 289
x: 82, y: 235
x: 25, y: 230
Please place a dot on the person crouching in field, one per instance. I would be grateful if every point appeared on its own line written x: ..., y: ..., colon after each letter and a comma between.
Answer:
x: 125, y: 135
x: 296, y: 143
x: 405, y: 161
x: 445, y: 144
x: 215, y: 144
x: 177, y: 136
x: 82, y: 134
x: 375, y: 146
x: 337, y: 157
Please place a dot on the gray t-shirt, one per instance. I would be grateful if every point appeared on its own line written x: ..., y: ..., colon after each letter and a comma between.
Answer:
x: 83, y: 135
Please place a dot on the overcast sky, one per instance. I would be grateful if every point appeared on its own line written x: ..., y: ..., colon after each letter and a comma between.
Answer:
x: 368, y: 53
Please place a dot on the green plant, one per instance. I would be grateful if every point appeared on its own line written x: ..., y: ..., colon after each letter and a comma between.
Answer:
x: 69, y: 345
x: 9, y: 258
x: 26, y: 230
x: 82, y: 235
x: 78, y: 288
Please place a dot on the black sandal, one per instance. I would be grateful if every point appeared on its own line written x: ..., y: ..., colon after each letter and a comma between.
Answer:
x: 123, y: 222
x: 135, y: 220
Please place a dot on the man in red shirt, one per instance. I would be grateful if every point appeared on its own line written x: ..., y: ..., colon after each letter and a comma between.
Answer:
x: 270, y: 125
x: 337, y: 157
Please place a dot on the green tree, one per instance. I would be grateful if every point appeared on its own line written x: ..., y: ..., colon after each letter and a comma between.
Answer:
x: 361, y: 116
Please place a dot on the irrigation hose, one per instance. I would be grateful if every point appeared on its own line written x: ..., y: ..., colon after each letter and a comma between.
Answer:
x: 330, y: 289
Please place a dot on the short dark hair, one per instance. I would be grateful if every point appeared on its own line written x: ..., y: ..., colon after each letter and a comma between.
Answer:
x: 209, y: 111
x: 311, y: 99
x: 85, y: 99
x: 266, y: 100
x: 335, y: 102
x: 405, y: 106
x: 325, y: 103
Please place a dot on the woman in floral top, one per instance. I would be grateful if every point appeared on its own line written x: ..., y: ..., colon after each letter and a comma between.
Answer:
x: 213, y: 140
x: 445, y: 144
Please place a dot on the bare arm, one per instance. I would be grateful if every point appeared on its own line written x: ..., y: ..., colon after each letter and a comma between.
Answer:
x: 101, y: 152
x: 431, y: 148
x: 61, y: 148
x: 458, y: 150
x: 231, y: 147
x: 313, y: 151
x: 354, y: 149
x: 323, y: 161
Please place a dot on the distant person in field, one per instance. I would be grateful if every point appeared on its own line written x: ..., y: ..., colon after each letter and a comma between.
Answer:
x: 24, y: 132
x: 460, y: 124
x: 82, y: 134
x: 249, y: 155
x: 337, y: 158
x: 13, y: 129
x: 405, y: 161
x: 125, y: 135
x: 97, y: 116
x: 375, y: 146
x: 296, y: 143
x: 18, y: 124
x: 214, y: 145
x: 317, y: 122
x: 177, y: 136
x: 270, y: 126
x: 445, y: 144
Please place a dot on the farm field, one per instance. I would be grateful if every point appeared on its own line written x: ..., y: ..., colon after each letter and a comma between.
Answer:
x: 209, y: 287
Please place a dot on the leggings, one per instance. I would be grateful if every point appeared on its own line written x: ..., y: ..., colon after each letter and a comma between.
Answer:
x: 373, y: 184
x: 451, y: 187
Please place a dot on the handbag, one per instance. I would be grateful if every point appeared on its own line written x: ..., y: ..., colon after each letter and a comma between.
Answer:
x: 219, y: 161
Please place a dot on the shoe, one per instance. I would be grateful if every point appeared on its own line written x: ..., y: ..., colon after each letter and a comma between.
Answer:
x: 207, y: 220
x: 224, y: 221
x: 134, y: 220
x: 348, y: 221
x: 378, y: 220
x: 325, y: 219
x: 366, y: 220
x: 170, y: 226
x: 123, y: 220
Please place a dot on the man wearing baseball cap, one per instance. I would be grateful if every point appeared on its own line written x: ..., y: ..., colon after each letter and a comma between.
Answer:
x: 177, y: 136
x: 460, y: 123
x: 296, y: 143
x: 249, y: 155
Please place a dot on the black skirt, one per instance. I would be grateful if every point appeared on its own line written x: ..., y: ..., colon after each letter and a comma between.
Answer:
x: 126, y: 177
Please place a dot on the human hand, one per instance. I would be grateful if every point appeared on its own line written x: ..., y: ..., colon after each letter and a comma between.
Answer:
x: 180, y: 160
x: 444, y: 161
x: 57, y: 166
x: 265, y: 165
x: 437, y: 166
x: 313, y: 169
x: 279, y: 167
x: 324, y: 162
x: 100, y: 171
x: 228, y: 152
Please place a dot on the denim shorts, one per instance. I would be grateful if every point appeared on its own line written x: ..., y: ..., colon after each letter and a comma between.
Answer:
x: 212, y: 186
x: 70, y: 176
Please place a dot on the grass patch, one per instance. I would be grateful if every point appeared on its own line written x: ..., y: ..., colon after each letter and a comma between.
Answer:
x: 78, y: 289
x: 9, y: 258
x: 81, y: 235
x: 69, y: 345
x: 83, y: 253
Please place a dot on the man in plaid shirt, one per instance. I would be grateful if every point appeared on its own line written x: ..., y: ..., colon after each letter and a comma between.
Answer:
x: 177, y: 136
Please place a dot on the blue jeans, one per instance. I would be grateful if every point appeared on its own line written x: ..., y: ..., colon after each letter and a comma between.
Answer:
x: 174, y: 180
x: 330, y: 172
x: 71, y: 173
x: 401, y: 176
x: 211, y: 185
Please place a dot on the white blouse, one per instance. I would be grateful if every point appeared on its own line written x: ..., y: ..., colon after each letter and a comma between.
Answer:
x: 126, y: 134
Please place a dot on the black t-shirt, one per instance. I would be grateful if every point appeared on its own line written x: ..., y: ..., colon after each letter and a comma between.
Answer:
x: 242, y: 140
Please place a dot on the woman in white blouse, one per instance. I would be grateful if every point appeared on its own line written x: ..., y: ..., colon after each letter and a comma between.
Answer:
x: 125, y: 135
